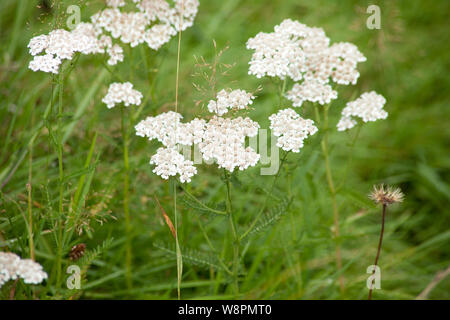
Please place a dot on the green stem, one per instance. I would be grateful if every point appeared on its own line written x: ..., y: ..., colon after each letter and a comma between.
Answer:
x: 126, y: 210
x: 190, y: 195
x: 283, y: 89
x: 61, y: 178
x: 332, y: 188
x: 350, y: 157
x: 29, y: 186
x: 235, y: 236
x: 380, y: 242
x: 261, y: 211
x: 211, y: 246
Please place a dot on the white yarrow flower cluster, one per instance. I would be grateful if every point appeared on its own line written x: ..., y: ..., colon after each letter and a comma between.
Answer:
x: 13, y: 267
x: 51, y: 50
x: 224, y: 140
x: 219, y: 139
x: 155, y: 22
x: 115, y: 3
x: 122, y: 93
x: 299, y: 52
x: 368, y: 107
x: 291, y: 129
x: 169, y: 162
x: 225, y: 100
x: 168, y: 129
x: 311, y: 90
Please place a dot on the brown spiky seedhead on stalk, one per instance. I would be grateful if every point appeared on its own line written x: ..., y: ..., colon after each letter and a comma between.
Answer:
x: 386, y: 195
x: 77, y: 251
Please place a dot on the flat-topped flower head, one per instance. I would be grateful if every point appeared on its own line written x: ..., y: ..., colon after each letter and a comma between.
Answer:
x: 154, y: 22
x: 230, y: 100
x: 291, y: 129
x: 297, y: 51
x: 304, y: 54
x: 169, y: 162
x: 368, y: 107
x: 168, y: 129
x: 51, y: 50
x: 311, y: 90
x: 122, y: 93
x: 220, y: 139
x: 224, y: 142
x: 386, y: 195
x: 13, y: 267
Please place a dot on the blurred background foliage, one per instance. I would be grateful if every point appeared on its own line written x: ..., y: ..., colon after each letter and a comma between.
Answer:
x: 293, y: 258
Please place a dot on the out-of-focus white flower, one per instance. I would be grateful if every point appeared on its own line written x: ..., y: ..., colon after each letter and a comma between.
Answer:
x: 115, y: 3
x: 61, y: 45
x: 184, y: 14
x: 122, y: 93
x: 236, y: 99
x: 45, y: 63
x: 291, y: 129
x: 38, y: 44
x: 342, y: 58
x: 346, y: 123
x: 12, y: 267
x: 136, y: 27
x: 311, y: 90
x: 155, y: 9
x: 368, y: 107
x: 133, y: 28
x: 158, y: 35
x: 115, y: 53
x: 129, y: 27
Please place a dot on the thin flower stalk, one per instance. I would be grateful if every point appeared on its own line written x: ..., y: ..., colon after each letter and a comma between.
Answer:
x: 385, y: 197
x: 29, y: 198
x: 332, y: 189
x: 178, y: 250
x: 234, y: 234
x: 380, y: 242
x: 126, y: 209
x: 60, y: 180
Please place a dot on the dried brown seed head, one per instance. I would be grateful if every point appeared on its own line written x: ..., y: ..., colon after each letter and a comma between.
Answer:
x: 386, y: 195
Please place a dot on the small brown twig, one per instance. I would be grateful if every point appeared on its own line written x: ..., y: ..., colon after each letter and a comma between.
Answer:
x: 441, y: 275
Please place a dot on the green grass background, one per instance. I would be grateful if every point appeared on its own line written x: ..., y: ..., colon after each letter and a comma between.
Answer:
x: 407, y: 62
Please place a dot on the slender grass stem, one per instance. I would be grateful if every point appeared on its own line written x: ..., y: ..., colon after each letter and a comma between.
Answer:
x: 234, y: 234
x: 380, y: 242
x: 179, y: 254
x: 325, y: 151
x: 29, y: 190
x: 126, y: 209
x: 60, y: 179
